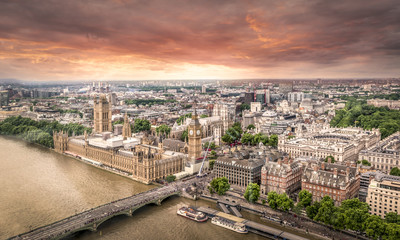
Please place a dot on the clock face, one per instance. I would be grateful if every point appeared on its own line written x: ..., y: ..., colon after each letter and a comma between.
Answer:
x: 198, y: 132
x: 191, y: 132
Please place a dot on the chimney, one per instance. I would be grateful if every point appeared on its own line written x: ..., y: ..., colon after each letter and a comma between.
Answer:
x: 348, y: 164
x: 280, y: 161
x: 347, y: 171
x: 323, y: 165
x: 335, y: 172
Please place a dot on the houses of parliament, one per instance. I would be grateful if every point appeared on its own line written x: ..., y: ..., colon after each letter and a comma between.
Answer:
x: 140, y: 157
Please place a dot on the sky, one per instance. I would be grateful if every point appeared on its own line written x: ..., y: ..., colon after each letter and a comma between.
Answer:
x: 45, y: 40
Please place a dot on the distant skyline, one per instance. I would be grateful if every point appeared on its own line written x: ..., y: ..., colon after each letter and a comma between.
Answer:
x: 176, y: 39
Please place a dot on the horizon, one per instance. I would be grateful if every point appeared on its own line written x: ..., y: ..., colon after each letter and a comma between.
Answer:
x: 118, y: 40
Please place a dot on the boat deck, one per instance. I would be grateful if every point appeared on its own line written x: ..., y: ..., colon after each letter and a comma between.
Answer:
x: 254, y: 227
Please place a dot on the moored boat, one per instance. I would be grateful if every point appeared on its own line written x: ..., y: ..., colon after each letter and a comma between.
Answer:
x: 231, y: 225
x: 192, y: 214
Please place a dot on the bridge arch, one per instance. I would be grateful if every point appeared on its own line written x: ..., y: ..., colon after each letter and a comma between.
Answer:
x: 98, y: 223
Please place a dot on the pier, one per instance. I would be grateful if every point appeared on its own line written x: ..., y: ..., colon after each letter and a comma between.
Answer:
x: 254, y: 227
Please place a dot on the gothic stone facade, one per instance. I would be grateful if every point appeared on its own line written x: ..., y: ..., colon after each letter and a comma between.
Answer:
x: 145, y: 163
x: 102, y: 114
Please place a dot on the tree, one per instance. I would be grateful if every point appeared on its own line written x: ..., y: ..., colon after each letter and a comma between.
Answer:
x: 330, y: 157
x: 365, y: 162
x: 273, y: 140
x: 181, y: 118
x: 251, y: 126
x: 141, y: 125
x: 211, y: 164
x: 312, y: 210
x: 297, y: 209
x: 354, y: 219
x: 184, y: 135
x: 338, y: 219
x: 237, y: 127
x: 354, y: 203
x: 227, y: 139
x: 374, y: 227
x: 284, y: 202
x: 256, y: 139
x: 395, y: 171
x: 211, y: 146
x: 203, y: 115
x: 325, y: 211
x: 305, y: 198
x: 118, y: 122
x: 272, y: 199
x: 247, y: 138
x: 220, y: 185
x: 252, y: 192
x: 163, y: 129
x: 392, y: 231
x: 170, y: 178
x: 244, y: 106
x: 392, y: 217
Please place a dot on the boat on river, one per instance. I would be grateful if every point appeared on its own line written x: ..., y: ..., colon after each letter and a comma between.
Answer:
x: 192, y: 214
x: 229, y: 224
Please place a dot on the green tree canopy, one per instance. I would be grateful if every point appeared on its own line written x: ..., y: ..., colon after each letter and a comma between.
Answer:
x: 40, y: 132
x: 170, y: 178
x: 374, y: 227
x: 184, y: 136
x: 305, y: 198
x: 395, y: 171
x: 163, y: 129
x: 312, y: 210
x: 330, y: 157
x: 273, y: 140
x: 183, y: 117
x: 392, y: 217
x: 252, y: 192
x: 227, y: 139
x: 141, y: 125
x: 247, y: 138
x: 284, y: 202
x: 272, y: 199
x: 220, y: 185
x: 244, y: 106
x: 359, y: 113
x: 251, y: 126
x: 211, y: 164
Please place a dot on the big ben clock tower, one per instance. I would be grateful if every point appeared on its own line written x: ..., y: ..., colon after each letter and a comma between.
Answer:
x: 194, y: 132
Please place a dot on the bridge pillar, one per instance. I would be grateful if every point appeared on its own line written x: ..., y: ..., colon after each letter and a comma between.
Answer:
x: 130, y: 212
x: 94, y: 227
x: 159, y: 202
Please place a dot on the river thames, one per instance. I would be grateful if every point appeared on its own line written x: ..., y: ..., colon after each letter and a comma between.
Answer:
x: 40, y: 186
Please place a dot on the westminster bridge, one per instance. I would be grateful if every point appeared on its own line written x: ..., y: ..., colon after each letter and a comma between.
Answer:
x: 91, y: 219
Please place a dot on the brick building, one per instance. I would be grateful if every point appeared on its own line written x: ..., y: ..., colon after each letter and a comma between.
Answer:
x: 282, y: 176
x: 339, y: 181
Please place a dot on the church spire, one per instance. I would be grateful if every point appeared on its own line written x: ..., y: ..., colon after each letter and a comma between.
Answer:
x: 126, y: 129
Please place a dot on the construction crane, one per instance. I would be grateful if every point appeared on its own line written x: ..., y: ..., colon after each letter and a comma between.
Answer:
x: 205, y: 156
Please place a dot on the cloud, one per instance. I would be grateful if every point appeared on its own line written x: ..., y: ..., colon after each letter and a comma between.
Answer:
x: 251, y: 37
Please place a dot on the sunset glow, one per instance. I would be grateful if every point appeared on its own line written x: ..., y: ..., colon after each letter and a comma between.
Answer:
x: 129, y: 40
